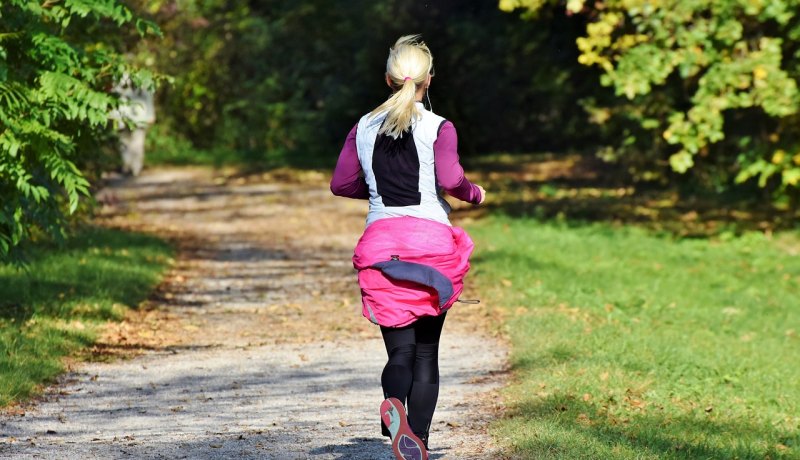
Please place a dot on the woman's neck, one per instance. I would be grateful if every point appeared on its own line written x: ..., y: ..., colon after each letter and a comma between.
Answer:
x: 420, y: 94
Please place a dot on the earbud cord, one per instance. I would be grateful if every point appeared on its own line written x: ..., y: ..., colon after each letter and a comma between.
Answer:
x: 427, y: 96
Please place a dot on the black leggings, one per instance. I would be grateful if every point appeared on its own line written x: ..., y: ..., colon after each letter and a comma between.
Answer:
x: 412, y: 372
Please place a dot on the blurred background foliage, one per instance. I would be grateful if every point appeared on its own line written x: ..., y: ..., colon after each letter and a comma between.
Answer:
x: 690, y: 95
x: 707, y: 87
x: 283, y: 81
x: 694, y: 93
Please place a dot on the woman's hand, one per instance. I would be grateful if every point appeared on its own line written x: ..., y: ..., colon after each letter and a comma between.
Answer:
x: 483, y: 194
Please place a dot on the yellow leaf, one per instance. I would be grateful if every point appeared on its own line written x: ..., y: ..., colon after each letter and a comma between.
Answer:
x: 760, y: 73
x: 507, y: 5
x: 510, y: 5
x: 574, y: 6
x: 778, y: 157
x: 791, y: 176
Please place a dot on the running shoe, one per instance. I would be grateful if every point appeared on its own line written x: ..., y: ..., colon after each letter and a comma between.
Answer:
x: 405, y: 444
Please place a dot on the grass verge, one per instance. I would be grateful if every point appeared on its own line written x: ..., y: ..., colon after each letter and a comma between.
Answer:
x: 59, y: 304
x: 629, y: 345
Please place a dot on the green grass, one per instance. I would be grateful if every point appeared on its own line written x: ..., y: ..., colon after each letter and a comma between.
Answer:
x: 57, y: 306
x: 629, y: 345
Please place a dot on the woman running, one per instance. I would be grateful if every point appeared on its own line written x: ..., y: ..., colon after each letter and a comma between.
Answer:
x: 411, y: 261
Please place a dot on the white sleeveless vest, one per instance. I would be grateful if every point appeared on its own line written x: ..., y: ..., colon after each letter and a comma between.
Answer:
x: 400, y: 173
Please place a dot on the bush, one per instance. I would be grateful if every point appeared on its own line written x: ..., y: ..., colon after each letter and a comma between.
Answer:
x: 57, y: 64
x: 708, y: 86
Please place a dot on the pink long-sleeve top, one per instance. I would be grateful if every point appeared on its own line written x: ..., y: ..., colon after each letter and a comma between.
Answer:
x: 348, y: 181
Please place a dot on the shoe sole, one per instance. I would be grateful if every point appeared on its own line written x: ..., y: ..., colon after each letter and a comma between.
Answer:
x: 405, y: 444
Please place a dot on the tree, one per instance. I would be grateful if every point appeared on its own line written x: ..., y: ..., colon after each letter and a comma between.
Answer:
x: 709, y: 83
x: 285, y: 80
x: 57, y: 62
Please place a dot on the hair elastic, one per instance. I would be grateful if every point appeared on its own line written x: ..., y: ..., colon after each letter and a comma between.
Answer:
x: 407, y: 78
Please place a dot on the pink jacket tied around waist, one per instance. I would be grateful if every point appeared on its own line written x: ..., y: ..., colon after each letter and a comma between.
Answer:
x: 406, y: 266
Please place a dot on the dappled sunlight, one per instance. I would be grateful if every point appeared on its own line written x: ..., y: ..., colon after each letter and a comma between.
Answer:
x: 584, y: 189
x: 202, y: 402
x: 258, y: 251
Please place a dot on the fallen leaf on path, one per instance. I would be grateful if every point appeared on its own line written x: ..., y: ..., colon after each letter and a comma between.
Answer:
x: 15, y: 411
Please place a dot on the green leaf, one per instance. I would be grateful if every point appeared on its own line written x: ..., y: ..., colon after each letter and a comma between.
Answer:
x: 54, y: 106
x: 681, y: 161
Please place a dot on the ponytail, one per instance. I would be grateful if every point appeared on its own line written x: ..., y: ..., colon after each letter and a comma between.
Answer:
x: 409, y: 64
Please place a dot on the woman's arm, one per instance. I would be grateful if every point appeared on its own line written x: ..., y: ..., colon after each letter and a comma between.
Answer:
x: 347, y: 180
x: 449, y: 172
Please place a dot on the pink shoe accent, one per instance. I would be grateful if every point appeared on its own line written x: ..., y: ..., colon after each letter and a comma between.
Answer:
x: 405, y: 444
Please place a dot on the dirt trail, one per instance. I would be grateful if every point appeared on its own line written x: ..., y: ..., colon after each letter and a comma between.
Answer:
x: 254, y: 347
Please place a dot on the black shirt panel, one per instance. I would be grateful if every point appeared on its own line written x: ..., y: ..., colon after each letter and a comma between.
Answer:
x: 395, y: 163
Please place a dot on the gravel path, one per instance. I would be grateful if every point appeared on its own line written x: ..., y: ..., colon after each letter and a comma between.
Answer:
x: 254, y: 346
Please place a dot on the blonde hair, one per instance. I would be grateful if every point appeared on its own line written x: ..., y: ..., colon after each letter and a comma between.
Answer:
x: 409, y: 64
